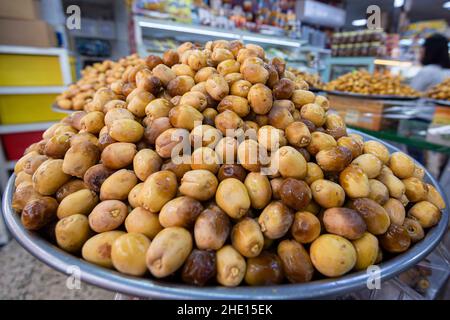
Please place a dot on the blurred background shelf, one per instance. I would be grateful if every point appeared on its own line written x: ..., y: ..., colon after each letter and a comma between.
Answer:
x: 205, y: 33
x: 30, y: 80
x: 155, y: 36
x: 27, y: 127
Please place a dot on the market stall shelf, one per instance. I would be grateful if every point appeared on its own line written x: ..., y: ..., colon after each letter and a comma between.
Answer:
x: 139, y: 287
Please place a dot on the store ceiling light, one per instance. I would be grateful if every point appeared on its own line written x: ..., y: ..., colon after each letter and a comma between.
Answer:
x: 359, y: 22
x: 446, y: 5
x: 399, y: 3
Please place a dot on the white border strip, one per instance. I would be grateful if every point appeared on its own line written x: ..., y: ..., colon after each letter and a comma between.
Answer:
x: 27, y: 127
x: 31, y: 90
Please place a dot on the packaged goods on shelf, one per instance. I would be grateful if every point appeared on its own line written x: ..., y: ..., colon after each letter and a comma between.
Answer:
x: 424, y: 29
x: 269, y: 18
x: 358, y: 43
x: 270, y: 169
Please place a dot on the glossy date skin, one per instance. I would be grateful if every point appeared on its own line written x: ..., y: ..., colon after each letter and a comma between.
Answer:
x: 294, y: 193
x: 264, y: 269
x: 199, y: 268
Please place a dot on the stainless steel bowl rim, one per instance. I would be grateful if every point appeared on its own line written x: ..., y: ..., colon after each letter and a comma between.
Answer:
x: 146, y: 287
x: 57, y: 109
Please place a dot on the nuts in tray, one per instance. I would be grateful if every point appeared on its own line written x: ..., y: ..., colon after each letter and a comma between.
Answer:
x: 93, y: 78
x: 440, y: 91
x: 210, y: 166
x: 363, y: 82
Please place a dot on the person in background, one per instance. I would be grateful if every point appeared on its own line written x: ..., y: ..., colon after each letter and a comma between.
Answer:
x: 435, y: 61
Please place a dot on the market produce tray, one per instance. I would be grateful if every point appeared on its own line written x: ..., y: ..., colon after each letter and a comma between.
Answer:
x: 440, y: 102
x: 150, y: 288
x: 55, y: 108
x: 370, y: 96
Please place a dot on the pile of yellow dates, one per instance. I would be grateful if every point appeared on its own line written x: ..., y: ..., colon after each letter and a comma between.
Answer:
x: 313, y: 80
x: 93, y: 78
x: 213, y: 165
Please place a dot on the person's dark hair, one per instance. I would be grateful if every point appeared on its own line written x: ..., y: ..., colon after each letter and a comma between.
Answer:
x: 436, y: 51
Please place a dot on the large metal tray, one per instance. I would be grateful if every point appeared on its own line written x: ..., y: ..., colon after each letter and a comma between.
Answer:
x: 55, y: 108
x: 147, y: 287
x: 370, y: 96
x: 440, y: 102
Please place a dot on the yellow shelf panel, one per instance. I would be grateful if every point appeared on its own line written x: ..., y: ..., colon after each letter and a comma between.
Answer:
x: 30, y: 70
x: 27, y: 108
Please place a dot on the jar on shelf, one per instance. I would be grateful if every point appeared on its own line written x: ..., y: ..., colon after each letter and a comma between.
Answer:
x: 357, y: 52
x: 341, y: 50
x: 378, y: 36
x: 370, y: 36
x: 342, y: 38
x: 365, y: 36
x: 381, y: 50
x: 348, y: 49
x: 373, y: 49
x: 336, y: 38
x: 334, y: 50
x: 359, y: 36
x: 351, y: 37
x: 348, y: 39
x: 364, y: 49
